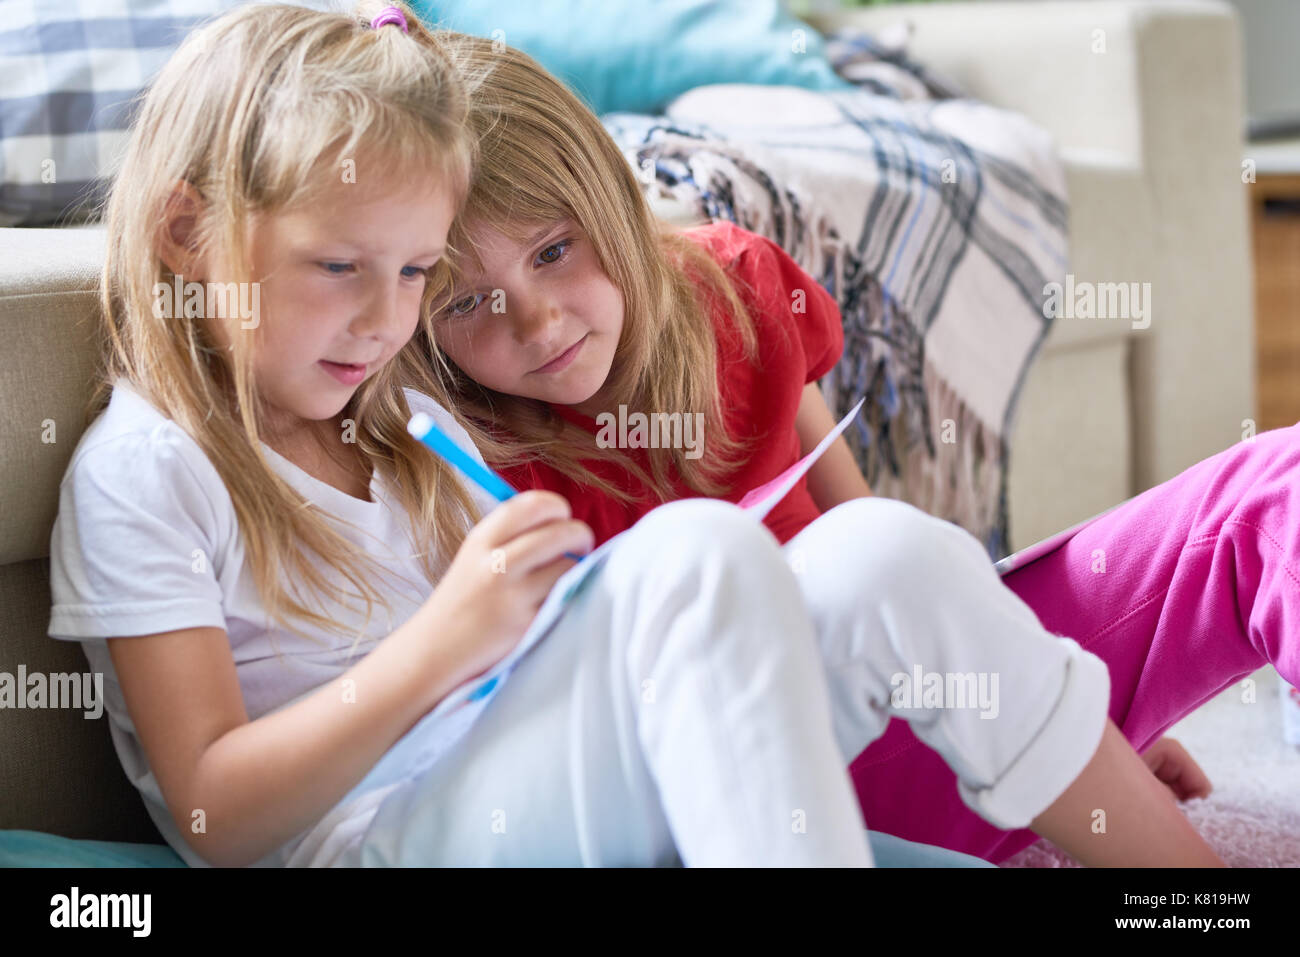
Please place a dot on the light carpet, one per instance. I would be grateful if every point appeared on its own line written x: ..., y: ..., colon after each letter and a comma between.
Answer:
x: 1252, y: 816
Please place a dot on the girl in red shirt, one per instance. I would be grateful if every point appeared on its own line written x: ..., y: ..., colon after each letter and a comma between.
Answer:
x: 563, y: 310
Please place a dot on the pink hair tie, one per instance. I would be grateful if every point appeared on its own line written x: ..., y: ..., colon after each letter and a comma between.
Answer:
x: 389, y: 15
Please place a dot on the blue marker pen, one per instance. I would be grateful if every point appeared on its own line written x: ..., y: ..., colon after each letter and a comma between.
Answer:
x: 426, y: 430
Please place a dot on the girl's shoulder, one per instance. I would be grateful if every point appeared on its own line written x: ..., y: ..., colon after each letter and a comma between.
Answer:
x: 782, y: 298
x: 133, y: 457
x: 725, y: 241
x: 132, y: 438
x: 144, y: 521
x: 758, y: 266
x: 133, y: 445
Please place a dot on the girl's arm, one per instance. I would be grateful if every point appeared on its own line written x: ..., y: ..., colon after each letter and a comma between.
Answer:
x: 259, y: 783
x: 834, y: 478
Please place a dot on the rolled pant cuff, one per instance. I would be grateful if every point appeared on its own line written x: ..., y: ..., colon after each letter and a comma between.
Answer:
x: 1062, y: 749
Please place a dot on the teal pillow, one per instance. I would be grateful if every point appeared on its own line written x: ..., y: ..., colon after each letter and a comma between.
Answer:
x: 37, y: 849
x: 638, y: 57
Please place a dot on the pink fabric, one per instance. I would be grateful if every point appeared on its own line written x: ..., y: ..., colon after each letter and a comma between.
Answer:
x: 1200, y: 587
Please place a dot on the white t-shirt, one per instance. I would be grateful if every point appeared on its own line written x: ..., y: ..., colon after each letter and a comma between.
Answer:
x: 147, y: 541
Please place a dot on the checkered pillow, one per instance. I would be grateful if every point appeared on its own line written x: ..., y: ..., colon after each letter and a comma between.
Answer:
x: 70, y: 69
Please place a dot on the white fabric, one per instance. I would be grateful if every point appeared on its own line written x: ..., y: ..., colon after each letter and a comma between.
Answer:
x: 146, y: 541
x: 679, y: 711
x: 890, y: 588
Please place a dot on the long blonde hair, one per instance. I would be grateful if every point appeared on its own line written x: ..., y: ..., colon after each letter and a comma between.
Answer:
x: 541, y: 156
x: 256, y: 111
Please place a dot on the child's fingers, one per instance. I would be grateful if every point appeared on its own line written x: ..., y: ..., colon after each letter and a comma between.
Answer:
x: 1185, y: 785
x: 541, y: 580
x: 515, y: 516
x: 1178, y: 770
x: 539, y: 547
x: 1192, y: 781
x: 1192, y: 778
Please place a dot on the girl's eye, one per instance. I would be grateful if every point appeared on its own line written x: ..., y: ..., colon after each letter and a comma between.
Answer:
x: 554, y: 252
x: 463, y: 307
x: 342, y: 269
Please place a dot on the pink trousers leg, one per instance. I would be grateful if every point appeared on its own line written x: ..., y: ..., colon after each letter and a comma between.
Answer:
x: 1182, y: 591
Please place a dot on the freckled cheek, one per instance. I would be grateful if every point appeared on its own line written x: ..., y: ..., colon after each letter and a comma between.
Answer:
x: 491, y: 356
x: 462, y: 347
x: 497, y: 354
x: 599, y: 297
x: 588, y: 305
x: 610, y: 311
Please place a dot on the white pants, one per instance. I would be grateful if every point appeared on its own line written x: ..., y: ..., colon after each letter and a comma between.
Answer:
x: 700, y: 701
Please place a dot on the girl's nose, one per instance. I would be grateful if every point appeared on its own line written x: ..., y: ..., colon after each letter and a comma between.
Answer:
x: 536, y: 318
x: 382, y: 311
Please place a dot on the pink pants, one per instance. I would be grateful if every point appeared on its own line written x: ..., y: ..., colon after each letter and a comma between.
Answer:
x: 1181, y: 590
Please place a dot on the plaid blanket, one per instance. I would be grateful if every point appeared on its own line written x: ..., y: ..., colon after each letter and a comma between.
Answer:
x: 934, y: 220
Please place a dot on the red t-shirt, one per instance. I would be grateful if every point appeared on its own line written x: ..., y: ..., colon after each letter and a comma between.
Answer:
x: 800, y: 337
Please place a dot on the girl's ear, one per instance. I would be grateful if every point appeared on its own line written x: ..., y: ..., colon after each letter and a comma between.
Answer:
x: 178, y: 232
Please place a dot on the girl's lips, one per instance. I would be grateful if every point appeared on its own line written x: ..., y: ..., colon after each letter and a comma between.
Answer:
x: 564, y: 358
x: 347, y: 374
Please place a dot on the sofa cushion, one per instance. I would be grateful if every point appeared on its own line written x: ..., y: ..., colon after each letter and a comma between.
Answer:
x: 59, y: 772
x: 48, y: 282
x: 639, y: 56
x: 70, y: 75
x: 37, y: 849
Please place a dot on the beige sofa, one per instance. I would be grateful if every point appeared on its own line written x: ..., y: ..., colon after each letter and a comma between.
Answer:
x: 1150, y: 132
x: 1145, y: 102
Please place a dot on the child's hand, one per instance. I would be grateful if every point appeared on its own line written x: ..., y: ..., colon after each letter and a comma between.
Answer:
x: 1170, y: 762
x: 502, y: 573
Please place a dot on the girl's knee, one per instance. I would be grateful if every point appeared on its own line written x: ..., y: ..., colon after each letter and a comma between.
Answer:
x: 887, y: 543
x: 702, y: 546
x: 701, y: 526
x: 711, y: 567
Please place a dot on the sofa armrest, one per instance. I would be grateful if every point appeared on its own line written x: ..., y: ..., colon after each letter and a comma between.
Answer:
x: 49, y: 280
x: 1162, y: 97
x: 1082, y: 58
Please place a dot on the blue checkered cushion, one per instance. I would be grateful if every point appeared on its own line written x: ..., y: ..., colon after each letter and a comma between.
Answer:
x: 69, y: 70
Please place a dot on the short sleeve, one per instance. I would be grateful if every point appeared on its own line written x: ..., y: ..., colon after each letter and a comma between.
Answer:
x: 783, y: 289
x: 137, y: 534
